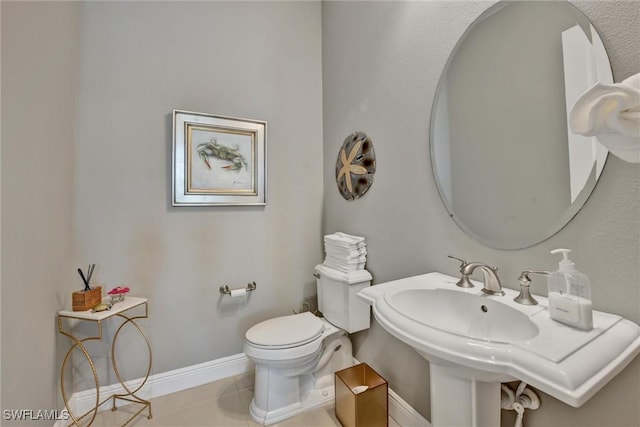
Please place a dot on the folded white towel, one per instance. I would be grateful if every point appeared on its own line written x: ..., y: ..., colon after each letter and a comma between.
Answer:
x: 346, y: 269
x: 611, y: 113
x: 350, y: 237
x: 345, y: 252
x: 339, y: 243
x: 343, y: 238
x: 345, y: 261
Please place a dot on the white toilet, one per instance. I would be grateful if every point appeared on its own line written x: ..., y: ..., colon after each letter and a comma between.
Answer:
x: 296, y: 356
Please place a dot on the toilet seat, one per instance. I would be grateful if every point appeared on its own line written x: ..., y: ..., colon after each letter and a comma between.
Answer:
x: 285, y: 331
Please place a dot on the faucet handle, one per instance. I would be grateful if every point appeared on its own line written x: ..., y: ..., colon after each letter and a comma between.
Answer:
x: 462, y: 261
x: 525, y: 296
x: 524, y: 276
x: 464, y: 278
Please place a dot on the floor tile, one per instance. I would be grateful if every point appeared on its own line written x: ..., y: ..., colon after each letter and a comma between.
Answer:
x: 245, y: 381
x: 193, y: 396
x: 223, y: 403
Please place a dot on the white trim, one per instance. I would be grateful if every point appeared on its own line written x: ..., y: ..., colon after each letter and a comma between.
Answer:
x: 192, y: 376
x: 166, y: 382
x: 404, y: 414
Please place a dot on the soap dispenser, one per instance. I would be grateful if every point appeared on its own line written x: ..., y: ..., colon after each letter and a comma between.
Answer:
x: 570, y: 294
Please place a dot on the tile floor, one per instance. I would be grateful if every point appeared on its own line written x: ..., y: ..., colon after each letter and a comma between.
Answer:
x: 223, y: 403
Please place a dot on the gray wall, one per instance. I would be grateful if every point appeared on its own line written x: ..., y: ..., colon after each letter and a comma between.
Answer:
x: 87, y: 89
x: 39, y: 57
x: 87, y: 94
x: 381, y: 65
x: 138, y: 61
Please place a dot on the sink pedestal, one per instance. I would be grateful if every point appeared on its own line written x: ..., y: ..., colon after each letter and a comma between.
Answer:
x: 457, y: 401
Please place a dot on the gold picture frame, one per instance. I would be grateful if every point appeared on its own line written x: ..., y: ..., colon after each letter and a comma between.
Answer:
x: 218, y: 160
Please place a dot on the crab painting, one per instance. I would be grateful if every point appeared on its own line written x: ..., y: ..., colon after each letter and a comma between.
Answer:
x: 222, y: 152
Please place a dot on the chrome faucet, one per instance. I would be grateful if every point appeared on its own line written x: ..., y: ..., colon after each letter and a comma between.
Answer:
x: 492, y: 285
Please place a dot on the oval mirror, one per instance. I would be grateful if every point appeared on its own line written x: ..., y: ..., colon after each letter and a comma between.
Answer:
x: 507, y: 166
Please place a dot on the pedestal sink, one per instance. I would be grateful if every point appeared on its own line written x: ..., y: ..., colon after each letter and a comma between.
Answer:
x: 474, y: 342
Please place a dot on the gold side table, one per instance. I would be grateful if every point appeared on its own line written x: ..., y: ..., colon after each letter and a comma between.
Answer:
x: 129, y: 392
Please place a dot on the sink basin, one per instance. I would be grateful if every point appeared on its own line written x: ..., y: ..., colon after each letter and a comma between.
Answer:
x: 463, y: 314
x: 492, y: 339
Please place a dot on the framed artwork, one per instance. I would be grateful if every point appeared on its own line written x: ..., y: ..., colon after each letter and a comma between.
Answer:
x: 218, y: 160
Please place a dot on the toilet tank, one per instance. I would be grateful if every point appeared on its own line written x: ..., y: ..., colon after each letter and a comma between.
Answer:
x: 337, y: 298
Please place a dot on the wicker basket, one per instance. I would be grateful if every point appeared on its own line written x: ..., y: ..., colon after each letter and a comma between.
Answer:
x: 86, y: 300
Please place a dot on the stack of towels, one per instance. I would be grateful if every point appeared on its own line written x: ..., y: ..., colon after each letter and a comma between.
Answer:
x: 344, y: 252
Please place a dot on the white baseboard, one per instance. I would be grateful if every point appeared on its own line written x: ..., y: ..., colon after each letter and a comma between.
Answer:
x: 404, y: 414
x: 196, y: 375
x: 165, y: 383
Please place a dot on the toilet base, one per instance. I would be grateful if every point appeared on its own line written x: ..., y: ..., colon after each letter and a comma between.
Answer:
x: 311, y: 399
x: 281, y: 394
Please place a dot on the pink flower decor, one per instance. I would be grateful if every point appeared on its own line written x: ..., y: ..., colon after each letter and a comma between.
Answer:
x: 118, y: 290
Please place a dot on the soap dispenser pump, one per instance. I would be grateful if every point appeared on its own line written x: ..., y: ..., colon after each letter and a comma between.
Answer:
x: 570, y: 294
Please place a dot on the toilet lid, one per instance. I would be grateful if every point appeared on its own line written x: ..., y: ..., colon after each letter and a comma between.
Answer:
x: 286, y: 331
